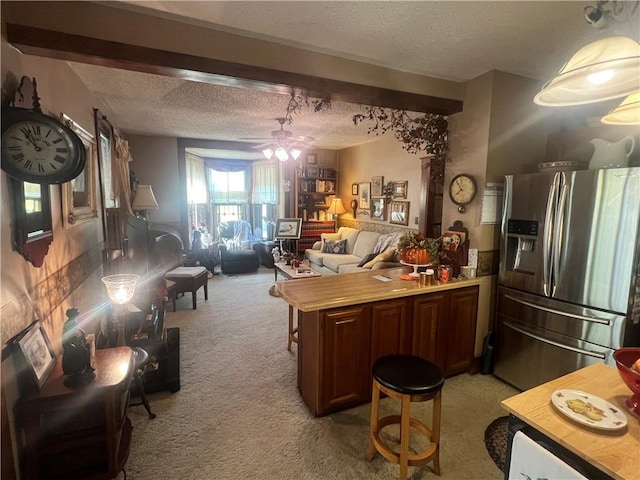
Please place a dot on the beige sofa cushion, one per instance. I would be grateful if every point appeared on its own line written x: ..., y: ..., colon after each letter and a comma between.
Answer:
x: 351, y: 235
x: 334, y: 261
x: 365, y: 243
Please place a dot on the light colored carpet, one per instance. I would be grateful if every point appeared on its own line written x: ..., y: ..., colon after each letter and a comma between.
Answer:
x: 239, y: 415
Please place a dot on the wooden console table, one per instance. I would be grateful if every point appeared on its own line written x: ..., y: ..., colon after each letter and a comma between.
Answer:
x: 346, y: 322
x: 80, y: 433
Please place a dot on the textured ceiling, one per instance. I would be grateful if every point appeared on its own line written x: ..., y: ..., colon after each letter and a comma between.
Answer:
x: 445, y: 39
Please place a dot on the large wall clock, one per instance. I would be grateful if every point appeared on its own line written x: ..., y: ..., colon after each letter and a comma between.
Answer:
x: 38, y: 148
x: 462, y: 190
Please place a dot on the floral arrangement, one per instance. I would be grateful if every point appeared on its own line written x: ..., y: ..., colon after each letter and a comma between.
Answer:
x: 287, y: 257
x: 418, y: 240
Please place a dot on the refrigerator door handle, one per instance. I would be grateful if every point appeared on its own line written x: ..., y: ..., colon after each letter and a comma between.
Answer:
x: 548, y: 237
x: 558, y: 230
x: 602, y: 321
x: 581, y: 351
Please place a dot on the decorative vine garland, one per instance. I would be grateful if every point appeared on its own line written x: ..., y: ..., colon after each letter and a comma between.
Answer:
x: 427, y: 133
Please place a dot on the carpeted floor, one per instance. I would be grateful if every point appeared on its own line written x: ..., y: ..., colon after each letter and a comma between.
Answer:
x: 239, y: 415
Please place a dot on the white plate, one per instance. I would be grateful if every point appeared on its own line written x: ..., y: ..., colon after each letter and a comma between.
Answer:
x: 603, y: 415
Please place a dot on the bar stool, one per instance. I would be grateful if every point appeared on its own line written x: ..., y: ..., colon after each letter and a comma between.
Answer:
x: 409, y: 379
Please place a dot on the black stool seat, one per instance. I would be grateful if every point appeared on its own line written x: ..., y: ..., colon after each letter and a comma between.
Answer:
x: 408, y: 375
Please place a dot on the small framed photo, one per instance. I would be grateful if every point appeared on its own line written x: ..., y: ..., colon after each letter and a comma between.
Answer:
x: 364, y: 194
x: 400, y: 189
x: 312, y: 170
x: 288, y: 228
x: 399, y: 213
x: 377, y: 184
x: 36, y: 354
x: 312, y: 159
x: 377, y: 208
x: 354, y: 189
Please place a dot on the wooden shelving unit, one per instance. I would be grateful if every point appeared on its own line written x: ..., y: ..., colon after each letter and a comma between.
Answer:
x: 311, y: 231
x: 312, y: 191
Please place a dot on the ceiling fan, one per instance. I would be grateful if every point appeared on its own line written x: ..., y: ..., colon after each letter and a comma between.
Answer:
x: 282, y: 143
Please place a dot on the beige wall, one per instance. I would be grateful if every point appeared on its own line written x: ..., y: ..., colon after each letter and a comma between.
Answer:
x: 155, y: 163
x: 383, y: 156
x: 60, y: 90
x: 70, y: 275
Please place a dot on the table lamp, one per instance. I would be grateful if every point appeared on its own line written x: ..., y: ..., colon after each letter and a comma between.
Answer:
x: 120, y: 289
x: 336, y: 208
x: 144, y: 200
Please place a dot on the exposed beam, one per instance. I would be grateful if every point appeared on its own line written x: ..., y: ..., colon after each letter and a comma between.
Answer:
x: 76, y: 48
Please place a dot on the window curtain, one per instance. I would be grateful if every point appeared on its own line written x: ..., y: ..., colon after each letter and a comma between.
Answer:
x: 120, y: 171
x: 264, y: 185
x: 196, y: 180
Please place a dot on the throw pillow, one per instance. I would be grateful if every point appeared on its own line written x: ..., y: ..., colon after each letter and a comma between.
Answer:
x: 381, y: 257
x: 335, y: 246
x: 328, y: 236
x: 367, y: 258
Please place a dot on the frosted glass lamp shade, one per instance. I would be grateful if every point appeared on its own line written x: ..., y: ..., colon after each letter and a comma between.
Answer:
x: 603, y: 70
x: 627, y: 113
x: 144, y: 199
x: 121, y: 288
x: 268, y: 153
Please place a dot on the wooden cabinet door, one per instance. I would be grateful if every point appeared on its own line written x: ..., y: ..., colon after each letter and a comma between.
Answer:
x: 345, y: 336
x: 428, y: 314
x: 389, y: 329
x: 461, y: 330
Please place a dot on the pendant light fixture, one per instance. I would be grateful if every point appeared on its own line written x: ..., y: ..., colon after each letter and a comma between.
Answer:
x: 606, y: 69
x: 627, y: 113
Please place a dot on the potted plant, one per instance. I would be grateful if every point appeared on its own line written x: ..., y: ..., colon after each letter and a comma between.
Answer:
x: 417, y: 249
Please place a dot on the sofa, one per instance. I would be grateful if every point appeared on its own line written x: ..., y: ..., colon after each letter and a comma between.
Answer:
x: 350, y: 250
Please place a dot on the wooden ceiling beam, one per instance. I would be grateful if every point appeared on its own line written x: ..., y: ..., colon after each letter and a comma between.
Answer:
x: 76, y: 48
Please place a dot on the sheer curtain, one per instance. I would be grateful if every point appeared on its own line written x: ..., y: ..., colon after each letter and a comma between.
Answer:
x: 264, y: 187
x: 196, y: 180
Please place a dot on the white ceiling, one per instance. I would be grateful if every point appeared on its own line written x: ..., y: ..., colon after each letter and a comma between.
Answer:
x: 445, y: 39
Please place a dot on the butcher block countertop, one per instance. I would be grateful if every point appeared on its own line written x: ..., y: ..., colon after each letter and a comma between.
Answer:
x: 616, y: 453
x: 331, y: 291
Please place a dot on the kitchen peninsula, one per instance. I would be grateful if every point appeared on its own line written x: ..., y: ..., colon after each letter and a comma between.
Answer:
x: 346, y: 322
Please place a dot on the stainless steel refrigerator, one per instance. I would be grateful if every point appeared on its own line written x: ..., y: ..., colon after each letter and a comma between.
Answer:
x: 569, y: 280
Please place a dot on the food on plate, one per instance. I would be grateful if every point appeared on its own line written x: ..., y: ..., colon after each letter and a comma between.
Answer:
x: 586, y: 409
x: 636, y: 366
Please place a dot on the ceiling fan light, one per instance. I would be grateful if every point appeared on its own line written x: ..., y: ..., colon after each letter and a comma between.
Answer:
x: 282, y: 154
x: 627, y: 113
x: 602, y: 70
x: 268, y: 153
x: 295, y: 153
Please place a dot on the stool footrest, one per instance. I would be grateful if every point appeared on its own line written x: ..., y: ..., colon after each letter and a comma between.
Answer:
x: 394, y: 456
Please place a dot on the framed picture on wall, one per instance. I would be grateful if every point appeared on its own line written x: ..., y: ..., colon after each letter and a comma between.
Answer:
x: 364, y: 195
x: 377, y: 208
x: 399, y: 213
x: 354, y: 189
x: 79, y: 195
x: 400, y: 189
x: 312, y: 159
x: 376, y: 186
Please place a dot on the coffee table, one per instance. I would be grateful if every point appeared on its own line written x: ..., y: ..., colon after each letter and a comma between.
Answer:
x: 289, y: 273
